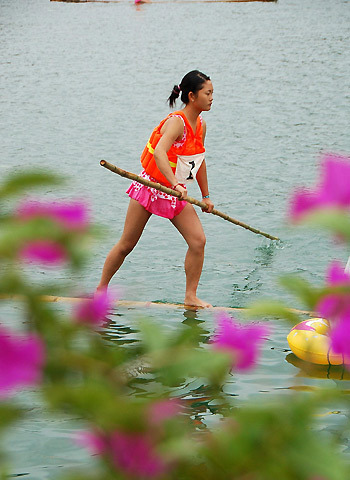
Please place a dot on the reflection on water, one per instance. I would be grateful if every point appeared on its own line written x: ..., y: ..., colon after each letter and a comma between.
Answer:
x: 118, y: 334
x: 194, y: 394
x: 310, y: 370
x: 276, y: 371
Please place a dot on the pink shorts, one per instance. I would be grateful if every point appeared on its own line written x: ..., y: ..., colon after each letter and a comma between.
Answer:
x: 154, y: 201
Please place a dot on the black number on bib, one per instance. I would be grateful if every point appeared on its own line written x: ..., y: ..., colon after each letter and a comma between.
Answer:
x: 190, y: 177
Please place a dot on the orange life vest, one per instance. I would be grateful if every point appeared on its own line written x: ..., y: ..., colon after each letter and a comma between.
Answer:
x: 190, y: 144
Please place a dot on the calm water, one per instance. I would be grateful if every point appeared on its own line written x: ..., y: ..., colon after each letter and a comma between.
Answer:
x: 85, y: 82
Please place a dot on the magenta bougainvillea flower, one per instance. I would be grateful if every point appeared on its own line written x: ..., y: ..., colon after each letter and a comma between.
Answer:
x: 162, y: 410
x: 93, y: 311
x: 243, y: 342
x: 21, y: 361
x: 340, y: 337
x: 44, y: 252
x: 334, y: 306
x: 134, y: 453
x: 73, y: 215
x: 96, y: 443
x: 333, y: 190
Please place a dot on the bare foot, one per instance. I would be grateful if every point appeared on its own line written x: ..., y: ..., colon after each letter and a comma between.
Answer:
x: 196, y: 302
x: 101, y: 288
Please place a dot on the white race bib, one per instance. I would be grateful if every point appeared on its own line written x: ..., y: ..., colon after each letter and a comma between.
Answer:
x: 187, y: 167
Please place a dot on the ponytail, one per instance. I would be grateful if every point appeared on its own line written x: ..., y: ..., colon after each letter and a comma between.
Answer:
x: 192, y: 82
x: 175, y: 93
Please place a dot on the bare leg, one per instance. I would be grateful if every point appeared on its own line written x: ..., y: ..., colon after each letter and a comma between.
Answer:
x: 135, y: 222
x: 190, y: 227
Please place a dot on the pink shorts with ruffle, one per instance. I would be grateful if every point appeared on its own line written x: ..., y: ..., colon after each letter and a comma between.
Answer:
x: 154, y: 201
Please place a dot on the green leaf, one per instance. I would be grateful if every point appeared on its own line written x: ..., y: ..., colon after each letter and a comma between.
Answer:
x: 172, y: 367
x: 301, y: 288
x: 9, y: 415
x: 249, y: 444
x: 154, y: 338
x: 18, y: 183
x: 272, y: 308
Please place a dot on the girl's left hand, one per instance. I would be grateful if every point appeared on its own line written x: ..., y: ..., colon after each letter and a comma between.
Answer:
x: 210, y: 205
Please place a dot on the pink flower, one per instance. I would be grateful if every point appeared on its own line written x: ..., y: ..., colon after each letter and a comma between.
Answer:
x: 241, y: 341
x: 135, y: 454
x: 44, y: 252
x: 73, y: 216
x: 95, y: 443
x: 333, y: 306
x: 93, y: 311
x: 132, y: 452
x: 21, y: 361
x: 340, y: 337
x: 162, y: 410
x: 333, y: 190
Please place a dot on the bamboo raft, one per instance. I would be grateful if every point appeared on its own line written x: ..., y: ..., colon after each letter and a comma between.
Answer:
x: 130, y: 304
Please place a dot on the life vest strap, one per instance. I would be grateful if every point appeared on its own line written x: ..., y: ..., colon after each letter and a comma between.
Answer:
x: 150, y: 148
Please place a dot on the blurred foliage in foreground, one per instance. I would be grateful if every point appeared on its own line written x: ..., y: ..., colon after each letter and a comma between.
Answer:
x: 149, y: 432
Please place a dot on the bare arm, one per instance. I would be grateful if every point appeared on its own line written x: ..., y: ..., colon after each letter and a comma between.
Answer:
x: 202, y: 178
x: 202, y: 181
x: 171, y: 131
x: 204, y: 127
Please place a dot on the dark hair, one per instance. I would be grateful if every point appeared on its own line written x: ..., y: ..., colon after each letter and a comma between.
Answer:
x: 192, y: 82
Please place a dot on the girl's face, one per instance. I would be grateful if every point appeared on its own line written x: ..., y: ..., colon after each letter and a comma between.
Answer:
x: 204, y: 97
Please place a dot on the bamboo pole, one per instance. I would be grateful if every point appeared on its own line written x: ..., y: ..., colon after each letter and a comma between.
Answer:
x: 170, y: 191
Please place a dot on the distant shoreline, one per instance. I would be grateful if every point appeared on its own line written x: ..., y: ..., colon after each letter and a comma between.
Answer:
x: 162, y: 1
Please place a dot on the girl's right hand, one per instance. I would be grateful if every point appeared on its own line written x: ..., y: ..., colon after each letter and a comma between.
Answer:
x: 181, y: 189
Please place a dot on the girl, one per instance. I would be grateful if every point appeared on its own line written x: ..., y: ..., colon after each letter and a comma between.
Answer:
x: 173, y: 156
